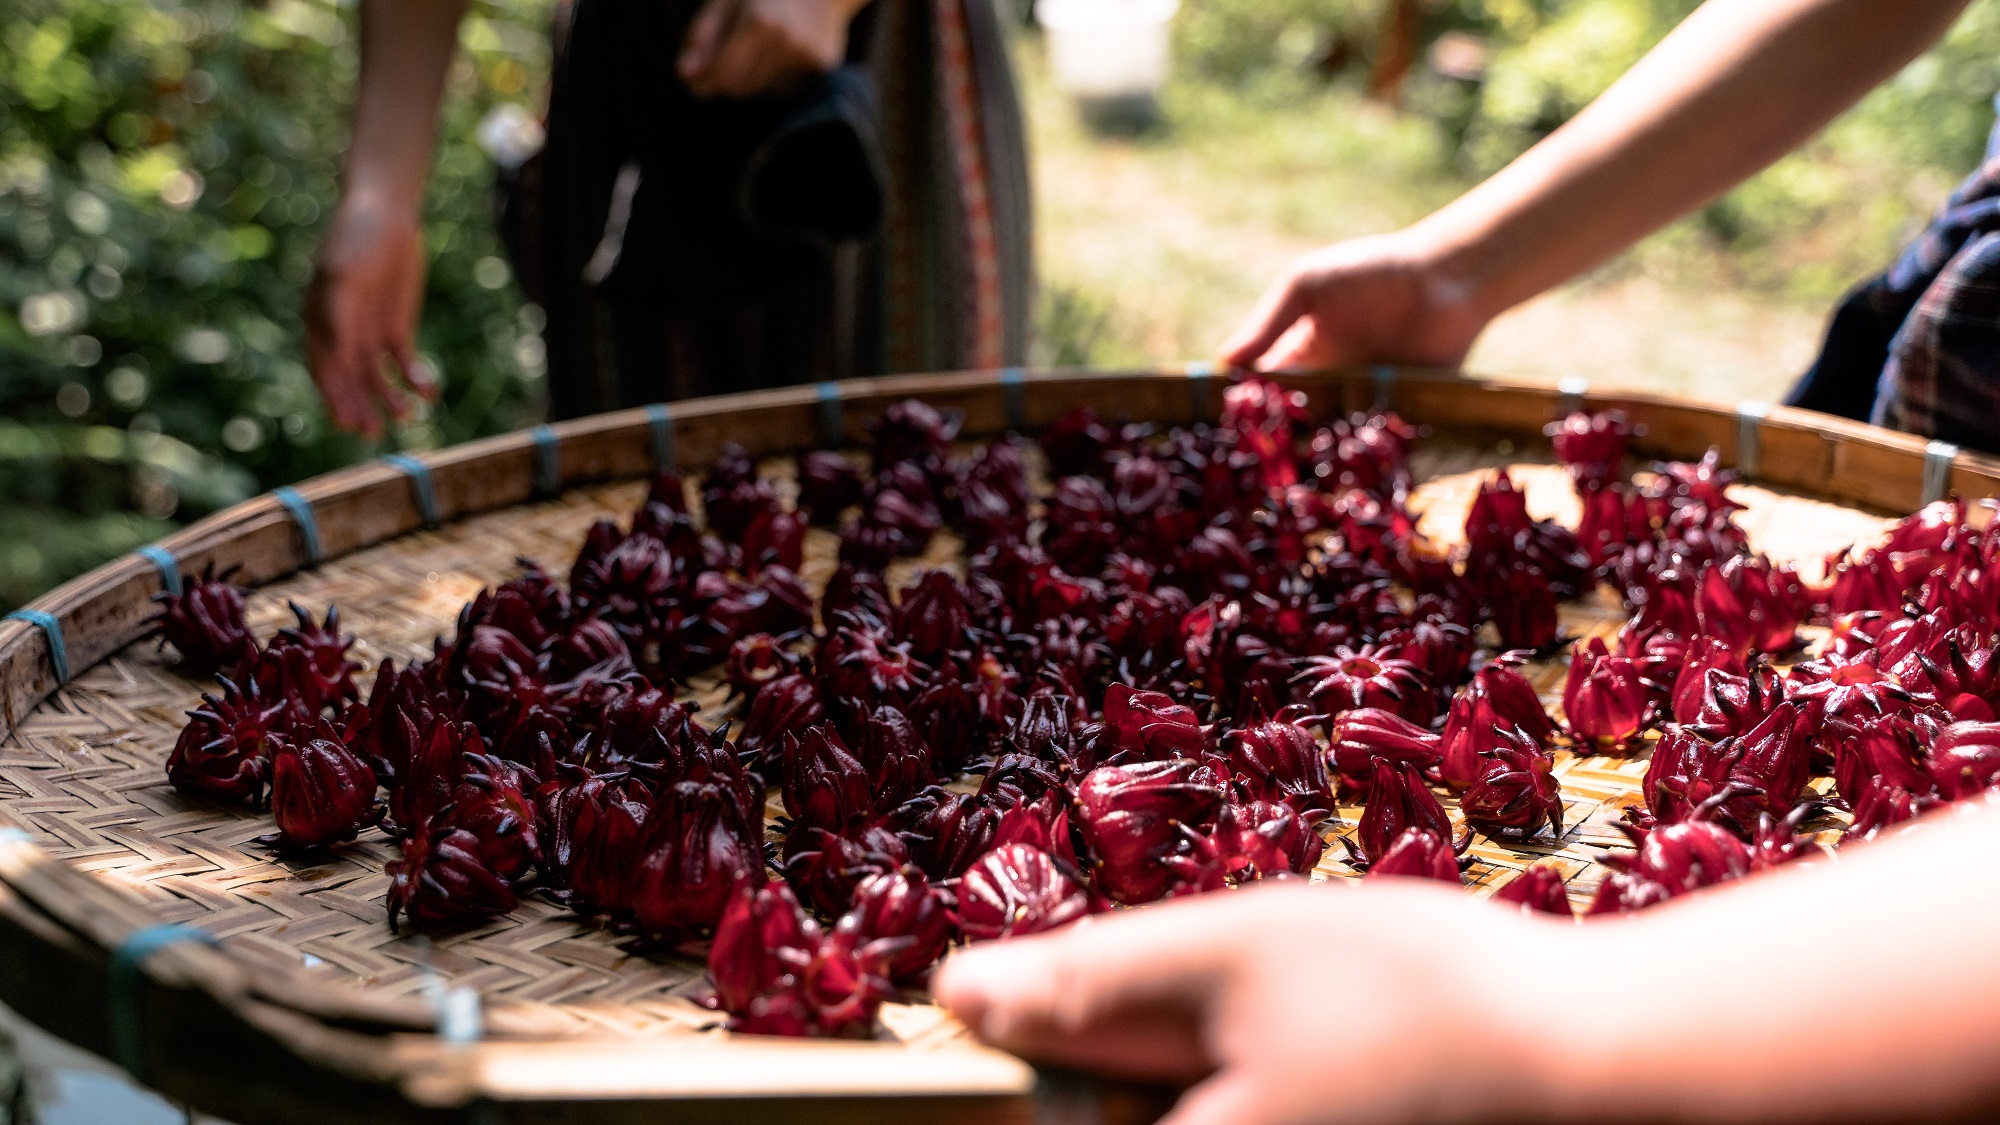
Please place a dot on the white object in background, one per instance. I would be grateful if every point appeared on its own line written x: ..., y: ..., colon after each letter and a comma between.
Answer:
x: 1108, y: 48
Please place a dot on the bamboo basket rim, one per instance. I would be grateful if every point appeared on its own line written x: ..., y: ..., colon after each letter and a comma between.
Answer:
x: 346, y: 1040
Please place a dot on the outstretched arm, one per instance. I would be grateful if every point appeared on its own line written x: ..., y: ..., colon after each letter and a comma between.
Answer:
x: 1737, y: 85
x: 1858, y: 988
x: 367, y: 290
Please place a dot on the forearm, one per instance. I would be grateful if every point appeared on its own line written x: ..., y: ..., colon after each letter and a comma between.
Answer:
x: 1733, y: 88
x: 1861, y: 988
x: 406, y: 49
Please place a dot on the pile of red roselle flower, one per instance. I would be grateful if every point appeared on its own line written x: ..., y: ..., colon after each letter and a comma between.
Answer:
x: 1154, y: 680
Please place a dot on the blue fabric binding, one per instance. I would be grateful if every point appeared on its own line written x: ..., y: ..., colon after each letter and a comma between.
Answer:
x: 163, y: 561
x: 302, y: 515
x: 52, y: 630
x: 421, y: 486
x: 126, y: 975
x: 548, y: 461
x: 661, y: 419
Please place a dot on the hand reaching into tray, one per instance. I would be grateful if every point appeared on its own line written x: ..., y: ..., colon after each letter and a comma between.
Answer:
x: 1732, y: 89
x: 1856, y: 989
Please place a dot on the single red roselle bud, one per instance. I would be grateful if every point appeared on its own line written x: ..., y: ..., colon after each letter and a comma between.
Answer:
x: 1282, y: 761
x: 945, y: 831
x: 824, y: 785
x: 321, y: 792
x: 1398, y: 800
x: 205, y: 623
x: 1691, y: 684
x: 1591, y: 446
x: 1015, y: 890
x: 1132, y: 819
x: 1604, y: 700
x: 1367, y: 677
x: 1417, y: 853
x: 1964, y: 760
x: 905, y: 908
x: 1150, y: 726
x: 828, y: 485
x: 692, y: 857
x: 1361, y: 738
x: 443, y: 877
x: 223, y: 752
x: 1538, y: 890
x: 933, y: 616
x: 1514, y: 789
x: 1672, y: 860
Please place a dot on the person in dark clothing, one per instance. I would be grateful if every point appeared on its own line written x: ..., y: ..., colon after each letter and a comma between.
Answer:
x: 734, y: 194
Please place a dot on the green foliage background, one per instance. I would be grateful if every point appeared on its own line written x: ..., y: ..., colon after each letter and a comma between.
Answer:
x: 166, y: 169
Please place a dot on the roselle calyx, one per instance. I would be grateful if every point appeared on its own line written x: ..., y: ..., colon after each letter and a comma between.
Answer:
x: 1537, y: 890
x: 695, y: 853
x: 1282, y: 761
x: 824, y: 785
x: 1015, y: 890
x: 1367, y: 677
x: 1149, y: 726
x: 1264, y: 839
x: 1591, y: 446
x: 1605, y: 699
x: 903, y: 906
x: 1132, y: 819
x: 1691, y: 685
x: 1364, y: 737
x: 1417, y: 853
x: 205, y: 623
x: 443, y: 877
x: 321, y: 792
x: 786, y: 705
x: 223, y: 751
x: 1672, y: 860
x: 1964, y: 759
x: 1513, y: 789
x: 828, y: 485
x: 944, y: 831
x: 1398, y: 800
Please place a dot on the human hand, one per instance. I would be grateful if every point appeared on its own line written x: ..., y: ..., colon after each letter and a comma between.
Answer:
x: 1390, y: 298
x: 1396, y: 1001
x: 740, y: 48
x: 361, y: 316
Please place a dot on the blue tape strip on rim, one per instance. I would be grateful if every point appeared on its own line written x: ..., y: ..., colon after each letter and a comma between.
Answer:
x: 661, y: 421
x: 1384, y: 377
x: 420, y: 485
x: 1938, y: 456
x: 163, y: 561
x: 302, y: 515
x: 832, y: 424
x: 1011, y: 382
x: 1749, y: 438
x: 1198, y: 373
x: 52, y: 630
x: 548, y: 461
x: 127, y: 961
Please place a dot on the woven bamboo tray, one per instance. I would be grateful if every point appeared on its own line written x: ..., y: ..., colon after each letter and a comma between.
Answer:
x: 307, y: 1008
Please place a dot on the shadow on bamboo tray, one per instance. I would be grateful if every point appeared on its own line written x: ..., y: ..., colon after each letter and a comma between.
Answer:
x: 95, y: 946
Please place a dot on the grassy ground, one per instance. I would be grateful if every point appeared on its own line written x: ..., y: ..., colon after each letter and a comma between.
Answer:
x: 1153, y: 244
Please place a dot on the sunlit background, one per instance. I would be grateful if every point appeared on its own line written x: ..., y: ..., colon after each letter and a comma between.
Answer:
x: 165, y: 169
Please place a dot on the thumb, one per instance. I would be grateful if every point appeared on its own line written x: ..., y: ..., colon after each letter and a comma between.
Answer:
x: 1280, y: 306
x: 704, y: 37
x: 1228, y: 1098
x: 1120, y: 993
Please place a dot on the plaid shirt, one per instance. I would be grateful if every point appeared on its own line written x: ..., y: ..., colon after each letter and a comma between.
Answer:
x: 1917, y: 348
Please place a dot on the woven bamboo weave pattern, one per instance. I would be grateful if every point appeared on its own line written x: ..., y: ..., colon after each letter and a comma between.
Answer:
x: 84, y: 773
